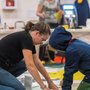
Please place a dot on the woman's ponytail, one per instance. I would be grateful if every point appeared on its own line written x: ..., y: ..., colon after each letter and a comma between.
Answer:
x: 28, y: 26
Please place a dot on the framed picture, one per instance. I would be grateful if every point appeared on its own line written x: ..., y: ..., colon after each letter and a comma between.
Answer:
x: 9, y: 4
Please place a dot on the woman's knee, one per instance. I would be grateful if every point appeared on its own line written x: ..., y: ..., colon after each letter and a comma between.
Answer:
x: 18, y: 86
x: 6, y: 88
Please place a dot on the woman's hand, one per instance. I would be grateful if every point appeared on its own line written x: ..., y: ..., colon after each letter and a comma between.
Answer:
x: 45, y: 88
x: 61, y: 83
x: 52, y: 86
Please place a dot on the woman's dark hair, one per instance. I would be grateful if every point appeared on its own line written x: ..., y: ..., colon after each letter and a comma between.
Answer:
x: 42, y: 27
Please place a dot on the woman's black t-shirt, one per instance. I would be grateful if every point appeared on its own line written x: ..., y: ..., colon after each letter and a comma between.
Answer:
x: 12, y: 45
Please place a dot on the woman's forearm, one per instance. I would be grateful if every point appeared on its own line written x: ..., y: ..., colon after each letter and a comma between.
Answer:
x: 43, y: 71
x: 33, y: 71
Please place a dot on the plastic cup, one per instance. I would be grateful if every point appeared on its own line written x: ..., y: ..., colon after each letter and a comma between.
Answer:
x: 28, y: 82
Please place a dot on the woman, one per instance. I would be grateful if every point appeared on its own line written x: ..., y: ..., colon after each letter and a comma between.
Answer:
x: 49, y: 12
x: 77, y: 54
x: 18, y: 54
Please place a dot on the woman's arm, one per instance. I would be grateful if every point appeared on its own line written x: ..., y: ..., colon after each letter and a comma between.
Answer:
x: 32, y: 68
x: 43, y: 71
x: 40, y: 11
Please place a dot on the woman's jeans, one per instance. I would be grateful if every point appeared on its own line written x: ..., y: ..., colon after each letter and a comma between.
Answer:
x: 8, y: 80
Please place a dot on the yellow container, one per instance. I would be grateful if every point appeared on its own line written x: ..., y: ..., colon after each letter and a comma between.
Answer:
x: 80, y: 1
x: 58, y: 15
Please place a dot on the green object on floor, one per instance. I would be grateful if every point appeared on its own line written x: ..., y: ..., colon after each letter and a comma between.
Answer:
x: 84, y: 86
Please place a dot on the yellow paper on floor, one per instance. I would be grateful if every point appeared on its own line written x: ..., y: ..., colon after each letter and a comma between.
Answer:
x: 59, y: 75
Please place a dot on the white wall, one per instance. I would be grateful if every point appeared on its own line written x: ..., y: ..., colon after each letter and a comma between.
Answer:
x: 67, y: 1
x: 26, y: 10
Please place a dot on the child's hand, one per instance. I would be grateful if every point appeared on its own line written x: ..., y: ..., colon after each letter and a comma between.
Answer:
x: 61, y: 83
